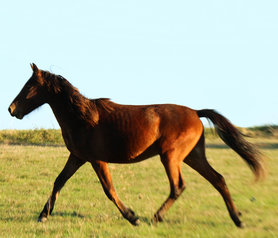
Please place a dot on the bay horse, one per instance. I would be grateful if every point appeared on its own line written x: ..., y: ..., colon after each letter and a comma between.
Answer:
x: 100, y: 131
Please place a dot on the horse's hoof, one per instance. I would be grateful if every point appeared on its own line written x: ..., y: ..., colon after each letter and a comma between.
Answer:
x: 132, y: 218
x: 238, y: 223
x: 42, y: 219
x: 157, y: 218
x: 135, y: 222
x: 241, y: 225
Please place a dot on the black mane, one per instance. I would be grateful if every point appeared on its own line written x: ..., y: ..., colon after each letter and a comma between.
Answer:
x: 85, y: 109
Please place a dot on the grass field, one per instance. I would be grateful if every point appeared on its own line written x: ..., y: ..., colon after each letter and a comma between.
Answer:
x: 27, y: 174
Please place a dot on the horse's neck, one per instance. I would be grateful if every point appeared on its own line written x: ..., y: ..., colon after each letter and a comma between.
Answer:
x: 66, y: 117
x: 63, y: 116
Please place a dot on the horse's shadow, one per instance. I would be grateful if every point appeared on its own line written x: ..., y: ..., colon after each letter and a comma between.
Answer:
x: 74, y: 214
x: 68, y: 214
x: 145, y: 220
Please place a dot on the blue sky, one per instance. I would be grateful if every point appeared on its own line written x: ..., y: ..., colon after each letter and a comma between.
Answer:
x: 202, y: 54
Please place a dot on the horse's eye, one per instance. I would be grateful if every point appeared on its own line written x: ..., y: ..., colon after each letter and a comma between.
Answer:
x: 28, y: 86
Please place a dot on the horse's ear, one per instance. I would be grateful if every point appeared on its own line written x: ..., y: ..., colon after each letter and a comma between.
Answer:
x: 37, y: 72
x: 34, y: 68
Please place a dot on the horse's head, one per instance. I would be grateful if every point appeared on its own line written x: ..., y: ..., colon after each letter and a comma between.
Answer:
x: 31, y: 96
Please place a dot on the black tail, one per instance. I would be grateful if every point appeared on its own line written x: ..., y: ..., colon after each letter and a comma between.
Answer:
x: 235, y: 139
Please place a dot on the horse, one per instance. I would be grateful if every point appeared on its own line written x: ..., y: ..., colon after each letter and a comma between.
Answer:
x: 100, y: 131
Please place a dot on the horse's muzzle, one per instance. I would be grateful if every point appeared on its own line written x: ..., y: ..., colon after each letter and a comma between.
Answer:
x: 14, y: 112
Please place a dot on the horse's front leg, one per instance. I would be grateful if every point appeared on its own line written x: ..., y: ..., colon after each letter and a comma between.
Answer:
x: 72, y: 165
x: 104, y: 176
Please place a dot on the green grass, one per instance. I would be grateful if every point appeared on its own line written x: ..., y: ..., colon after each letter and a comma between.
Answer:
x: 27, y: 174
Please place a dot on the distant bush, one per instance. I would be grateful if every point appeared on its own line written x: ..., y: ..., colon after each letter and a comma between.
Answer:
x: 54, y: 137
x: 257, y: 131
x: 32, y: 137
x: 267, y: 130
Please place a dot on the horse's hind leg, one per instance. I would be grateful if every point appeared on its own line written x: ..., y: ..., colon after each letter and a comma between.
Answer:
x: 72, y: 165
x: 102, y: 171
x: 197, y: 160
x: 177, y: 184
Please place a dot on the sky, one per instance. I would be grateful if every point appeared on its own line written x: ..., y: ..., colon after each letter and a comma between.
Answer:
x: 202, y: 54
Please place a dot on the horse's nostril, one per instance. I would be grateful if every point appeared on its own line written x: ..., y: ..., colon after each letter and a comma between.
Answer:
x: 12, y: 109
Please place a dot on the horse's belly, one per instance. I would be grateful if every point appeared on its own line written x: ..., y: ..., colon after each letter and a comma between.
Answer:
x: 136, y: 156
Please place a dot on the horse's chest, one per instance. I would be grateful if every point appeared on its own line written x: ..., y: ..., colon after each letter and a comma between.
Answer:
x: 74, y: 142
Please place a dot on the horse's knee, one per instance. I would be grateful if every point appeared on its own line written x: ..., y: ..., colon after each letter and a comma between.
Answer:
x: 180, y: 188
x: 220, y: 182
x: 177, y: 191
x: 182, y: 184
x: 176, y: 195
